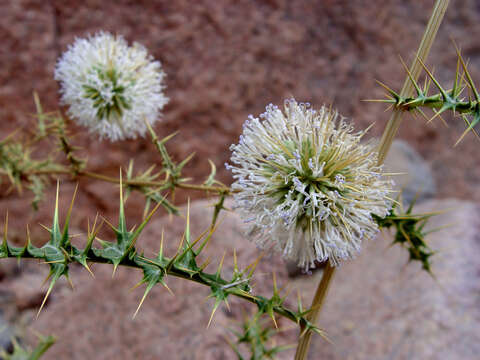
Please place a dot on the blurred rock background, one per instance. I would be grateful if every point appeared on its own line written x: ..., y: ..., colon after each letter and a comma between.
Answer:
x: 225, y: 60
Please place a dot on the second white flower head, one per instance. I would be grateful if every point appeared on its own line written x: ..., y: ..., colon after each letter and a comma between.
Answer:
x: 110, y: 87
x: 305, y: 184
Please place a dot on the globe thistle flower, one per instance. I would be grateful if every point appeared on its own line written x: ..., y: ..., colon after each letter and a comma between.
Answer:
x: 306, y: 185
x: 110, y: 87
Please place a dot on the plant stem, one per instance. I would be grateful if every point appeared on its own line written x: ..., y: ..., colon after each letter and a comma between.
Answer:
x: 415, y: 69
x: 385, y: 144
x: 317, y: 303
x: 114, y: 180
x: 42, y: 347
x: 139, y: 261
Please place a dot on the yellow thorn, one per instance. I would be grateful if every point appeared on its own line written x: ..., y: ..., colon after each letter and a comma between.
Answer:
x: 219, y: 269
x: 141, y: 282
x: 46, y: 279
x: 254, y: 264
x: 206, y: 263
x: 88, y: 269
x: 166, y: 287
x: 213, y: 313
x: 66, y: 254
x: 104, y: 220
x: 70, y: 282
x: 45, y: 227
x: 274, y: 321
x: 52, y: 262
x: 45, y: 298
x: 140, y: 305
x: 73, y: 200
x: 121, y: 187
x: 56, y: 198
x: 114, y: 270
x: 463, y: 135
x: 161, y: 242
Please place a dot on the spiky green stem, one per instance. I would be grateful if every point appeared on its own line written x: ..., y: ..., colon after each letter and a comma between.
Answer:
x: 139, y: 262
x: 59, y: 253
x: 65, y: 171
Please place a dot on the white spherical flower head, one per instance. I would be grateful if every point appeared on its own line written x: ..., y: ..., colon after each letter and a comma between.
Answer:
x: 306, y: 185
x: 110, y: 87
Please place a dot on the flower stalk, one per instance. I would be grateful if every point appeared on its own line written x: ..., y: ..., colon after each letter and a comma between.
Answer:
x: 317, y: 304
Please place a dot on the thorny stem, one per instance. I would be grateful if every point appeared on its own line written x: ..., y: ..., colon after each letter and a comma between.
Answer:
x: 114, y: 180
x: 385, y: 144
x: 200, y: 277
x: 415, y: 70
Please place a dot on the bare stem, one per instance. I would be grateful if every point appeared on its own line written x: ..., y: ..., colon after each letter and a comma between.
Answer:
x: 317, y: 303
x: 385, y: 144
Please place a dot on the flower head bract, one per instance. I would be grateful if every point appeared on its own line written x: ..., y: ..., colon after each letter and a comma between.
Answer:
x: 110, y: 87
x: 306, y: 185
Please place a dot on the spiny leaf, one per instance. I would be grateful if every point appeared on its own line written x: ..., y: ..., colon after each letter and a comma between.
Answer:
x: 56, y: 271
x: 55, y: 235
x: 184, y: 162
x: 258, y: 335
x: 220, y: 265
x: 437, y: 84
x: 220, y: 295
x: 117, y: 252
x: 65, y: 238
x: 122, y: 232
x: 137, y: 232
x: 151, y: 276
x: 420, y: 93
x: 392, y: 93
x: 409, y: 233
x: 54, y: 252
x: 469, y: 78
x: 82, y: 257
x: 186, y: 258
x: 475, y: 121
x: 213, y: 171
